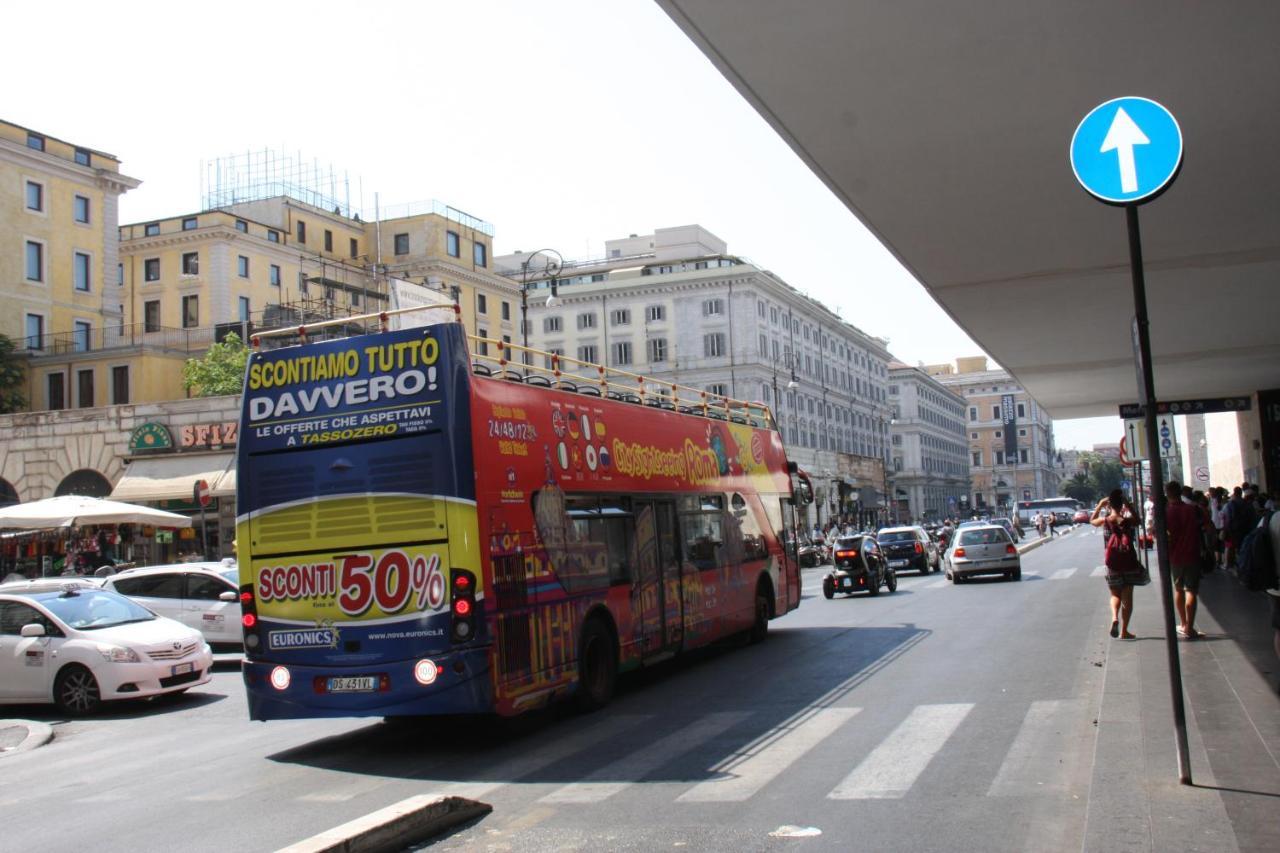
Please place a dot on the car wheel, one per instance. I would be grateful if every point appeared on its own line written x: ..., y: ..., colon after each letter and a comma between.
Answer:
x: 828, y: 588
x: 874, y: 588
x: 893, y: 581
x: 1017, y: 574
x: 956, y: 579
x: 75, y: 692
x: 597, y: 667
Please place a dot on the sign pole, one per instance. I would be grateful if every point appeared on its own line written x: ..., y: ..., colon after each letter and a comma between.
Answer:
x: 1148, y: 393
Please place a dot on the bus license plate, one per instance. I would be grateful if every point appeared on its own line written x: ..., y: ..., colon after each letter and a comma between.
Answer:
x: 353, y: 684
x: 183, y: 668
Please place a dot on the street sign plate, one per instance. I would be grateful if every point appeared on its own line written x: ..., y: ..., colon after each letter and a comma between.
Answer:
x: 1127, y: 150
x: 1190, y: 407
x: 1135, y: 435
x: 1168, y: 439
x: 1202, y: 473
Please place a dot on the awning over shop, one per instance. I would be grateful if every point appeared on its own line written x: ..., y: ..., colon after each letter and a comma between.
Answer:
x: 170, y: 478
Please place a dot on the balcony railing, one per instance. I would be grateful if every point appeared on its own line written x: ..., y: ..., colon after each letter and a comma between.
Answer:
x: 118, y: 337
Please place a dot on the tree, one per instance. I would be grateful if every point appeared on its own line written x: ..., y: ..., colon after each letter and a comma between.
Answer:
x: 1080, y: 488
x: 1107, y: 476
x: 220, y: 372
x: 12, y: 378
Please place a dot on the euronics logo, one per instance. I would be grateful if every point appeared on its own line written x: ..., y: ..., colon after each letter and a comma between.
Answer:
x: 302, y: 638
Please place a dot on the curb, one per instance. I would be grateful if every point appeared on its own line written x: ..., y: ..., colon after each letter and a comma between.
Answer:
x: 38, y: 734
x: 395, y: 827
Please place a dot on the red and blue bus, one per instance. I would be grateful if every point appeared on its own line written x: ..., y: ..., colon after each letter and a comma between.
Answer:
x: 424, y: 529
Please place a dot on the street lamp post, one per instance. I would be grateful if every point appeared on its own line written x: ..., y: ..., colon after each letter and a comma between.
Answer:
x: 550, y: 270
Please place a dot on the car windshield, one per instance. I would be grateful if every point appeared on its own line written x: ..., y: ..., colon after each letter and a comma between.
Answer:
x: 849, y: 544
x: 232, y: 575
x: 984, y: 536
x: 88, y: 610
x: 897, y: 536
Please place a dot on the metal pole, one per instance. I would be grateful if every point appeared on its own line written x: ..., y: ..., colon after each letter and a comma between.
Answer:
x: 1157, y: 492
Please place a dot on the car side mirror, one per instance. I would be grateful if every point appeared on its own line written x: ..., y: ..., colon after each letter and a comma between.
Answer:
x: 227, y: 596
x: 33, y: 630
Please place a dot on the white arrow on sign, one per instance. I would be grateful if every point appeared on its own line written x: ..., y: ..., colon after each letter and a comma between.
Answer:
x: 1121, y: 138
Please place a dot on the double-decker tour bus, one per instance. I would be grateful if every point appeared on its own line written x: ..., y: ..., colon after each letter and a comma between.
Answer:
x: 424, y: 529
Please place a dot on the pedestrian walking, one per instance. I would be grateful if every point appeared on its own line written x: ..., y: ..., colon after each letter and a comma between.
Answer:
x: 1053, y: 524
x: 1118, y: 520
x: 1182, y: 520
x: 1241, y: 517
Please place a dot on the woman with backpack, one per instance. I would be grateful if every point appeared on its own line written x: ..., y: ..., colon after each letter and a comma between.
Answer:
x: 1118, y: 520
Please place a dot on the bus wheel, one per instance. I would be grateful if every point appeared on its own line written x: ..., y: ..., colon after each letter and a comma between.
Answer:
x: 760, y: 627
x: 597, y: 667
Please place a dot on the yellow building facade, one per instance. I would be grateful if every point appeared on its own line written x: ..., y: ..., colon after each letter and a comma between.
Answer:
x: 59, y: 214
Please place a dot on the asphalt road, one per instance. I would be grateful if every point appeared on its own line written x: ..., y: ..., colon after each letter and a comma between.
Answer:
x: 940, y: 717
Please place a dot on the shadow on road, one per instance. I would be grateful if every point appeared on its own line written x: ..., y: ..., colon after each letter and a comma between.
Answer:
x: 779, y: 684
x: 125, y: 709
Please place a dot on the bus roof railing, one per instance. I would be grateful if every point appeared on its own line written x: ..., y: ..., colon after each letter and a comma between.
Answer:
x: 382, y: 317
x: 614, y: 383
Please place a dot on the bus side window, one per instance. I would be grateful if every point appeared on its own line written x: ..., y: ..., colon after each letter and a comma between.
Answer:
x: 703, y: 539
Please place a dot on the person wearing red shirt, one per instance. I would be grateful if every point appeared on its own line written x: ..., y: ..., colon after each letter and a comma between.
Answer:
x: 1183, y: 523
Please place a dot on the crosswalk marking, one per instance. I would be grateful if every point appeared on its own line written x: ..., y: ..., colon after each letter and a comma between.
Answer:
x: 1098, y: 572
x: 893, y: 766
x: 738, y: 780
x: 640, y: 763
x: 1038, y: 760
x: 1062, y: 574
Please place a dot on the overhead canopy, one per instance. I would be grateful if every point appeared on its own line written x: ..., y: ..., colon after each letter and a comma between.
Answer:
x: 170, y: 478
x: 68, y: 510
x: 945, y: 128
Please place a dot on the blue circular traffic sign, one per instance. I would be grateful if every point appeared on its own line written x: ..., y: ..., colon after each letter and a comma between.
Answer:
x: 1127, y: 150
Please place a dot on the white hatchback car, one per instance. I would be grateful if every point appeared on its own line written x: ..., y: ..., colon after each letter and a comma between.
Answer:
x: 203, y: 596
x: 71, y: 643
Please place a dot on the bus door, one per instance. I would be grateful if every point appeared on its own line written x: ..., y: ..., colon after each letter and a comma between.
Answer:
x: 659, y: 595
x: 789, y: 540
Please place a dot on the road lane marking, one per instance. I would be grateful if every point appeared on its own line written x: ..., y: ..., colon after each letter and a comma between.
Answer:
x: 1062, y: 574
x: 1100, y: 571
x: 631, y: 768
x: 893, y: 766
x: 1042, y: 758
x: 743, y: 775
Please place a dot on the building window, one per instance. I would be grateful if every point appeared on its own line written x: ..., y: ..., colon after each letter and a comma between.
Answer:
x: 80, y: 271
x: 35, y: 261
x: 302, y: 282
x: 586, y: 321
x: 83, y: 333
x: 119, y: 275
x: 35, y: 332
x: 151, y: 315
x: 83, y: 157
x: 482, y: 304
x: 655, y: 313
x: 999, y: 457
x: 589, y: 353
x: 190, y: 312
x: 999, y: 434
x: 56, y: 389
x: 973, y: 413
x: 328, y: 241
x: 190, y: 263
x: 620, y: 317
x: 977, y: 458
x: 401, y: 244
x: 1022, y: 455
x: 35, y: 140
x: 151, y: 229
x: 274, y: 277
x: 190, y: 223
x: 479, y: 254
x: 452, y: 244
x: 355, y: 248
x: 244, y: 309
x: 151, y: 269
x: 242, y: 226
x: 995, y: 413
x: 1022, y: 433
x: 482, y: 346
x: 622, y: 353
x: 242, y: 266
x: 552, y: 324
x: 35, y: 196
x: 80, y: 209
x: 549, y: 361
x: 712, y: 307
x: 764, y: 345
x: 273, y: 236
x: 713, y: 345
x: 84, y: 389
x: 1022, y: 410
x: 119, y: 385
x: 506, y: 310
x: 657, y: 349
x: 718, y: 389
x: 302, y: 231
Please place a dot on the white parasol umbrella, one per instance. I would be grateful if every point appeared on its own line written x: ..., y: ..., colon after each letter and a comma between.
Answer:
x: 69, y: 510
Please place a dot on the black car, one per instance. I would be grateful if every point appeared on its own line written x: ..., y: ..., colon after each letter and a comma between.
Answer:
x: 858, y: 565
x: 909, y: 548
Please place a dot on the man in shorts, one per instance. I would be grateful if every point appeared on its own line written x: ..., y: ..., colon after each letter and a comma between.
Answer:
x: 1183, y: 523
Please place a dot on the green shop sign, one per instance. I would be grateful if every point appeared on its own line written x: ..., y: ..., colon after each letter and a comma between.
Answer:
x: 150, y: 436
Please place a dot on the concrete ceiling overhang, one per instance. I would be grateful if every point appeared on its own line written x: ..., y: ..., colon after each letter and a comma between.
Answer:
x: 944, y: 127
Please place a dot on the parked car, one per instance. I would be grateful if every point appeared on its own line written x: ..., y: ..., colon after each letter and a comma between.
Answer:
x: 858, y: 565
x: 68, y: 642
x: 983, y: 551
x: 1081, y: 516
x: 204, y: 596
x: 909, y: 548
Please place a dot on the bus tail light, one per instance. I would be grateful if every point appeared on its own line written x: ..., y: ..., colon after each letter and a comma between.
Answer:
x: 249, y: 616
x: 958, y: 552
x: 463, y: 598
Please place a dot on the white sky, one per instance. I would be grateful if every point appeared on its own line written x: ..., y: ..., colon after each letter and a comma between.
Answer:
x: 562, y: 123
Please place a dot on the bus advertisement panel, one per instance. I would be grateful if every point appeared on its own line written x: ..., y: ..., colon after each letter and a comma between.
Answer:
x: 416, y: 539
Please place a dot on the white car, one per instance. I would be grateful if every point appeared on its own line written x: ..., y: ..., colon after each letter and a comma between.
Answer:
x: 983, y: 550
x: 68, y: 642
x: 203, y: 596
